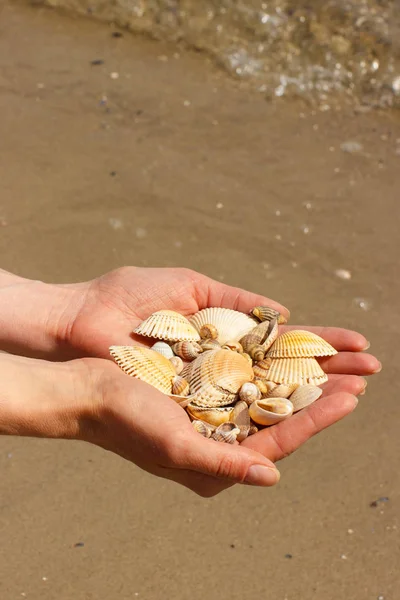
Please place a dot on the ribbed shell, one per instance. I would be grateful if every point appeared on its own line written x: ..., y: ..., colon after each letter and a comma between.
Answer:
x: 163, y: 348
x: 187, y: 350
x: 226, y: 432
x: 168, y: 325
x: 296, y: 370
x: 299, y: 343
x: 145, y: 364
x: 180, y: 387
x: 177, y: 363
x: 215, y: 416
x: 231, y: 324
x: 266, y: 313
x: 304, y: 396
x: 283, y: 390
x: 215, y: 377
x: 205, y: 429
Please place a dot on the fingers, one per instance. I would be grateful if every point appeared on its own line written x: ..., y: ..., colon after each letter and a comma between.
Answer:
x: 281, y: 440
x: 351, y: 363
x: 351, y: 384
x: 341, y: 339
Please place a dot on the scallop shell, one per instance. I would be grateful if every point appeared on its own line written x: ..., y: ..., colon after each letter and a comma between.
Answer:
x: 240, y: 416
x: 298, y: 343
x: 187, y: 350
x: 266, y: 313
x: 168, y: 325
x: 208, y: 332
x: 262, y: 367
x: 270, y: 411
x: 231, y: 324
x: 227, y: 432
x: 145, y: 364
x: 177, y: 363
x: 215, y: 377
x: 283, y: 390
x: 249, y: 392
x: 214, y: 416
x: 304, y: 395
x: 180, y: 387
x: 163, y: 348
x: 210, y: 345
x: 205, y: 429
x: 296, y: 370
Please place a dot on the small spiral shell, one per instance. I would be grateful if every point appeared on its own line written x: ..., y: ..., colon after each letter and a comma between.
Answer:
x: 257, y: 352
x: 187, y: 350
x: 208, y: 332
x: 210, y: 345
x: 234, y: 346
x: 249, y: 392
x: 180, y: 387
x: 261, y: 368
x: 265, y: 313
x: 177, y: 363
x: 264, y: 386
x: 227, y: 432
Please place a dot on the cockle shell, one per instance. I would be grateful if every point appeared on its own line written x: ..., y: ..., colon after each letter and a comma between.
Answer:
x: 283, y: 390
x: 296, y: 370
x: 145, y: 364
x: 210, y: 345
x: 187, y: 350
x: 208, y: 332
x: 180, y: 387
x: 249, y: 392
x: 205, y: 429
x: 266, y: 313
x: 227, y: 432
x: 270, y: 411
x: 177, y: 363
x: 299, y: 343
x: 163, y: 348
x: 230, y: 324
x: 168, y: 325
x: 240, y: 416
x: 304, y: 395
x: 262, y: 367
x: 215, y: 377
x: 214, y: 416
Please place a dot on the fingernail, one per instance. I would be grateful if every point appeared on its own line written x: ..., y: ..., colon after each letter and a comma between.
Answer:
x: 379, y: 369
x: 355, y: 401
x: 261, y: 475
x: 367, y: 346
x: 364, y: 388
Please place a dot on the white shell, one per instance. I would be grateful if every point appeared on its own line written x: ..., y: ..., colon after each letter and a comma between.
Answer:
x: 304, y: 395
x: 163, y: 348
x: 270, y: 411
x: 168, y: 325
x: 249, y: 392
x: 231, y: 324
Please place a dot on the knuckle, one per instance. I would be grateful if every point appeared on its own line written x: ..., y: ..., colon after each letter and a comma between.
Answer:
x: 228, y: 467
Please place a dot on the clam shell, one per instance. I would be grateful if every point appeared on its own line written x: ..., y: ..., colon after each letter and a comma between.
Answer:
x: 249, y: 392
x: 168, y: 325
x: 270, y: 411
x: 296, y: 370
x: 145, y: 364
x: 214, y: 416
x: 266, y: 313
x: 240, y: 416
x: 283, y: 390
x: 163, y: 348
x: 187, y: 350
x: 299, y: 343
x: 231, y: 324
x: 262, y: 367
x: 205, y: 429
x: 208, y: 332
x: 304, y: 395
x: 177, y: 363
x: 180, y: 387
x: 227, y: 432
x: 215, y: 377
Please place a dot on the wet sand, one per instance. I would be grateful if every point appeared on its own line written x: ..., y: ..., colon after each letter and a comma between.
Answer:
x: 172, y: 163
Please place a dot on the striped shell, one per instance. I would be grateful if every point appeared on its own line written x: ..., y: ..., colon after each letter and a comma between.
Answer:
x: 177, y: 363
x: 167, y: 325
x: 270, y: 411
x: 263, y: 335
x: 163, y: 348
x: 296, y: 370
x: 210, y: 345
x: 187, y: 350
x: 227, y: 432
x: 304, y: 395
x: 208, y: 332
x: 249, y: 392
x: 214, y: 416
x: 257, y: 352
x: 215, y: 377
x: 205, y: 429
x: 264, y: 386
x: 180, y: 387
x: 266, y: 313
x: 145, y: 364
x: 234, y: 346
x: 261, y: 368
x: 299, y: 343
x: 283, y: 390
x: 231, y: 324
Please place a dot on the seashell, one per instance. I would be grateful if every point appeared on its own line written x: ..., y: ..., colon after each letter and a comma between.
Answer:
x: 283, y: 390
x: 304, y: 395
x: 208, y: 332
x: 296, y: 370
x: 263, y: 335
x: 247, y: 357
x: 240, y: 416
x: 231, y: 324
x: 214, y: 416
x: 163, y: 348
x: 210, y: 345
x: 216, y: 377
x: 252, y: 430
x: 266, y: 313
x: 180, y: 387
x: 264, y: 386
x: 187, y: 350
x: 272, y: 334
x: 234, y: 346
x: 145, y: 364
x: 177, y: 363
x: 270, y: 411
x: 249, y: 392
x: 168, y: 325
x: 205, y: 429
x: 227, y: 432
x: 261, y: 368
x: 299, y: 343
x: 257, y: 352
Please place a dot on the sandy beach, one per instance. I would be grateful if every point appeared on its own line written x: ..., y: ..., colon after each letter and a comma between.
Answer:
x: 154, y: 156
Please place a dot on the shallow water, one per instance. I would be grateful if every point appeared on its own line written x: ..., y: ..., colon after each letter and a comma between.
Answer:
x: 326, y: 52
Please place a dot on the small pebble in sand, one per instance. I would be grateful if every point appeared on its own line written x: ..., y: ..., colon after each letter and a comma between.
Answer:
x: 380, y: 500
x: 114, y: 75
x: 115, y: 223
x: 278, y: 213
x: 350, y: 531
x: 343, y: 274
x: 219, y: 205
x: 116, y: 34
x: 97, y: 61
x: 79, y: 545
x: 362, y: 303
x: 44, y: 578
x: 288, y: 555
x: 308, y: 205
x: 186, y: 103
x: 351, y: 146
x: 305, y: 229
x: 343, y: 557
x: 381, y: 598
x: 140, y: 233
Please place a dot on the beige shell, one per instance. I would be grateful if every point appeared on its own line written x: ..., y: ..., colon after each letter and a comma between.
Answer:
x: 304, y: 395
x: 261, y: 368
x: 257, y: 352
x: 210, y: 345
x: 299, y: 343
x: 247, y: 357
x: 177, y: 363
x: 205, y: 429
x: 234, y: 346
x: 180, y: 387
x: 231, y: 324
x: 215, y: 377
x: 214, y: 416
x: 187, y: 350
x: 145, y: 364
x: 266, y: 313
x: 270, y: 411
x: 208, y: 332
x: 168, y: 325
x: 264, y: 386
x: 249, y: 392
x: 262, y: 336
x: 296, y: 370
x: 227, y: 432
x: 163, y: 348
x: 252, y: 430
x: 240, y: 416
x: 283, y: 390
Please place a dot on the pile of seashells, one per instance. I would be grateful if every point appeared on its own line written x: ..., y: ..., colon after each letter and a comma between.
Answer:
x: 230, y: 371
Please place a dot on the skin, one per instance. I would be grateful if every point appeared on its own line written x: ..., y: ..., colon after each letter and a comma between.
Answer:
x: 69, y: 395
